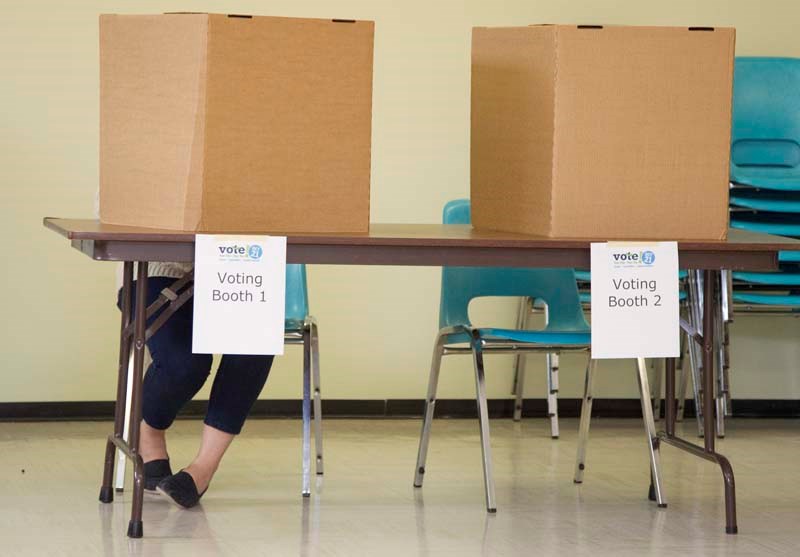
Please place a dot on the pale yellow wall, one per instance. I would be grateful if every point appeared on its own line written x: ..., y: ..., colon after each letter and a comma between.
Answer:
x: 59, y: 326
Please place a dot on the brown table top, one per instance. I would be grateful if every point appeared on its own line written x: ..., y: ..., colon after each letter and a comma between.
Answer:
x: 416, y: 244
x: 410, y: 235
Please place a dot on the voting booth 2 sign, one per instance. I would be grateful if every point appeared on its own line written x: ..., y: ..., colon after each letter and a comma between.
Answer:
x: 635, y: 298
x: 239, y: 294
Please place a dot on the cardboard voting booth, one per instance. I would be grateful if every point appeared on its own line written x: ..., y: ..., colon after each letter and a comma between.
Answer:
x: 235, y: 123
x: 602, y: 132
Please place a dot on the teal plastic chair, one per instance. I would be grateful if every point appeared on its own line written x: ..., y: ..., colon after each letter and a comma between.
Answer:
x: 566, y: 330
x: 765, y: 157
x: 299, y: 329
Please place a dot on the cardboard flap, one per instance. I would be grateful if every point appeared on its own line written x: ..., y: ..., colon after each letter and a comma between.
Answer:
x: 641, y: 112
x: 513, y: 72
x: 150, y: 84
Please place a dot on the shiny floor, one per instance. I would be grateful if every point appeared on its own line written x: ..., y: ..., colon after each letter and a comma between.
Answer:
x: 366, y: 505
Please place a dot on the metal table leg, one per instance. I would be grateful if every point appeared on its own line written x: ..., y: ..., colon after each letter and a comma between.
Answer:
x: 135, y: 529
x: 134, y: 333
x: 106, y: 489
x: 708, y: 451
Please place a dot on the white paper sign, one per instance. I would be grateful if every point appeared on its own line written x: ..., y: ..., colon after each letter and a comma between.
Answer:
x: 239, y: 294
x: 635, y: 300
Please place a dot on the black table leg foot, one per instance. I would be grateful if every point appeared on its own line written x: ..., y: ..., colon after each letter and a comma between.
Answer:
x: 135, y: 529
x: 651, y: 494
x: 106, y: 494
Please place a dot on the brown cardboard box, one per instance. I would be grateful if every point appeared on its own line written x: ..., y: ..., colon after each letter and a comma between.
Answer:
x: 235, y: 123
x: 602, y: 132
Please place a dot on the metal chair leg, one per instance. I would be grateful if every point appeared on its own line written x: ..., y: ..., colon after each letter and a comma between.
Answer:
x: 518, y: 390
x: 519, y: 371
x: 522, y: 317
x: 430, y: 405
x: 586, y: 416
x: 483, y: 419
x: 658, y: 379
x: 683, y: 378
x: 317, y: 397
x: 694, y: 350
x: 306, y: 488
x: 727, y: 285
x: 650, y: 430
x: 720, y: 363
x: 726, y: 368
x: 697, y: 381
x: 552, y: 393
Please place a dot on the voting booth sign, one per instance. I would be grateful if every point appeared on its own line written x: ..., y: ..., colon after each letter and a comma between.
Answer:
x: 635, y: 298
x: 239, y: 294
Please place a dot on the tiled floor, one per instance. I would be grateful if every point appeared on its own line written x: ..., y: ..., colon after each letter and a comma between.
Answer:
x: 366, y: 505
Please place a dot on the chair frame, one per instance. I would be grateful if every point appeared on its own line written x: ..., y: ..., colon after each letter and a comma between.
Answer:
x: 656, y: 491
x: 306, y: 335
x: 477, y: 347
x: 552, y: 364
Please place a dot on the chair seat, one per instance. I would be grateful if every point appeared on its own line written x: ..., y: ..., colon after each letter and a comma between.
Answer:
x: 586, y: 297
x: 770, y: 201
x: 779, y: 228
x: 586, y: 276
x: 546, y: 338
x: 767, y: 299
x: 293, y: 325
x: 789, y: 256
x: 787, y: 183
x: 784, y: 279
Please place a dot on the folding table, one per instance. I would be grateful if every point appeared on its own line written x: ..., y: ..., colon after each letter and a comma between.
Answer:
x: 398, y: 244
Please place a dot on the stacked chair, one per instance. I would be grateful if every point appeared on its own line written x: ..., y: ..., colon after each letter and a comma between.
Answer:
x: 765, y: 175
x: 722, y: 317
x: 764, y: 197
x: 765, y: 178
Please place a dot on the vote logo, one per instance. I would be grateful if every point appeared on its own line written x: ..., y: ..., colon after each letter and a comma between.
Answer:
x: 255, y: 252
x: 648, y: 257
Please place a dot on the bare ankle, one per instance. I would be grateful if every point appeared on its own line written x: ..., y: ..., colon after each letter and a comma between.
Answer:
x: 152, y: 443
x: 201, y: 474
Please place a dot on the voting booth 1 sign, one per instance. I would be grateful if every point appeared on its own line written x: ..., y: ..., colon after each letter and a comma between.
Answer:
x: 635, y: 298
x: 239, y: 294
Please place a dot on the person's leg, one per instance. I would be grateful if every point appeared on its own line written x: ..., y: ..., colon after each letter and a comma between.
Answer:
x: 213, y: 445
x: 152, y: 443
x: 238, y: 382
x: 172, y: 379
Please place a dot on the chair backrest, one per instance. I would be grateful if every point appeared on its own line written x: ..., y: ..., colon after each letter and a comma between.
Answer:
x: 296, y: 292
x: 460, y: 285
x: 765, y: 134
